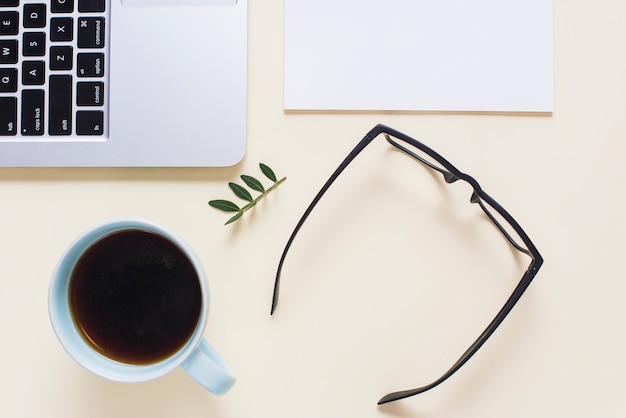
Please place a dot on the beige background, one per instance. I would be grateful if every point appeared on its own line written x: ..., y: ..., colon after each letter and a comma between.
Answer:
x: 392, y: 277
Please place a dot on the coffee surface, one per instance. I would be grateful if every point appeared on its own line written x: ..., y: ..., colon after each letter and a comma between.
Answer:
x: 135, y: 296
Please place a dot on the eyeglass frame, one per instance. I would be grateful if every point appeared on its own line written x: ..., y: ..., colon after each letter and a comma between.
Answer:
x: 451, y: 174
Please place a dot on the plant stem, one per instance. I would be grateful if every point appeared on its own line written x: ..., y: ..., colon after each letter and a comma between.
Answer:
x: 262, y: 195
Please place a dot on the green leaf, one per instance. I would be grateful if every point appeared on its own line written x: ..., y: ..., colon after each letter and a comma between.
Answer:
x: 234, y: 218
x: 224, y: 205
x: 240, y: 191
x: 253, y: 183
x: 243, y: 193
x: 268, y: 172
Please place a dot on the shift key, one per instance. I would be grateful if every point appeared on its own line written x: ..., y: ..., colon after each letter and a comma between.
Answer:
x: 60, y: 105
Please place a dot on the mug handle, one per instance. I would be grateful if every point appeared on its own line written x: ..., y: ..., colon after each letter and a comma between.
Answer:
x: 208, y: 368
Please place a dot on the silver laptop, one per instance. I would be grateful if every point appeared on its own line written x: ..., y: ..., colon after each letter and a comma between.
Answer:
x: 123, y: 82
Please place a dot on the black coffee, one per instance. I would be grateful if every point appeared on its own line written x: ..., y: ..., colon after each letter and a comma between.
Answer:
x: 135, y: 296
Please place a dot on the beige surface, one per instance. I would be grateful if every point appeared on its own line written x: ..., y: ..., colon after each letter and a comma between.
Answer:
x: 392, y: 277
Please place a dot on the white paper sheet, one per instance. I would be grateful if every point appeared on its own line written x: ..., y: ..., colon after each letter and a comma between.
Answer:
x: 438, y: 55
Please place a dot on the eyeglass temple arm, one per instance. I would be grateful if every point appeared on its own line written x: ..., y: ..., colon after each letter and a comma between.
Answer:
x: 359, y: 147
x: 508, y: 306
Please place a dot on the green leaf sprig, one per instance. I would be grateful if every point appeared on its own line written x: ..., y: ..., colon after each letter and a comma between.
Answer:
x: 243, y: 193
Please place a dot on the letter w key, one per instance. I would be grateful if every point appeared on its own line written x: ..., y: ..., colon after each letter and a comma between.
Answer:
x: 8, y: 51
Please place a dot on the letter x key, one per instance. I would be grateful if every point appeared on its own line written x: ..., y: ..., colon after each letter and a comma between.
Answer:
x: 61, y: 29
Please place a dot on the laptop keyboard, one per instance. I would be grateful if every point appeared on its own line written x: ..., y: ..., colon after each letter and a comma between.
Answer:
x: 53, y: 69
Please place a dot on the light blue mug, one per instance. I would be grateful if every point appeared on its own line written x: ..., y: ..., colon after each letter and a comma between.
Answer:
x: 196, y: 357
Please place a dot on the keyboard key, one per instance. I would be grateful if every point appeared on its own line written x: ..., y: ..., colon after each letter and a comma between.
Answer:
x: 32, y: 112
x: 34, y: 16
x: 88, y: 6
x: 47, y: 86
x: 62, y: 6
x: 90, y: 64
x: 90, y: 93
x: 34, y: 44
x: 8, y: 116
x: 8, y: 51
x: 61, y: 29
x: 89, y: 122
x: 61, y: 58
x: 8, y: 80
x: 9, y: 23
x: 91, y: 32
x: 60, y: 105
x: 33, y: 73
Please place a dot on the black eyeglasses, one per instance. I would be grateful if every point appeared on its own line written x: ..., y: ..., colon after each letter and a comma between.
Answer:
x: 496, y: 213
